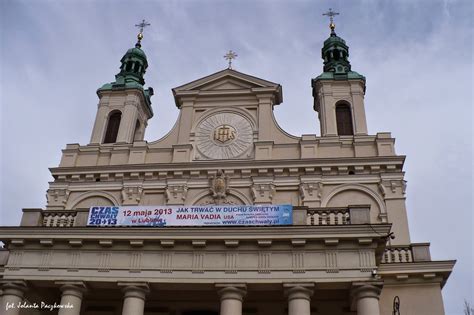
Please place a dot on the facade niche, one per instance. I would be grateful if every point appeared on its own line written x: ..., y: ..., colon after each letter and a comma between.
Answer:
x: 113, y: 127
x: 344, y: 120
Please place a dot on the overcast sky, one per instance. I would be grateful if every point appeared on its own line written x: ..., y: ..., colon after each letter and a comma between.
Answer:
x: 416, y: 55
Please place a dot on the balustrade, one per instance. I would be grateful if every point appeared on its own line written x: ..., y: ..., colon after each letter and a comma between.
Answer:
x: 399, y: 254
x: 59, y: 219
x: 330, y: 216
x: 69, y: 218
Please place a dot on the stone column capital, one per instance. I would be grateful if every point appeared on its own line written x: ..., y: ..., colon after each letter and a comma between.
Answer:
x: 231, y: 291
x: 71, y: 294
x: 74, y: 288
x: 14, y: 287
x: 366, y: 290
x: 13, y: 291
x: 134, y: 289
x: 298, y: 291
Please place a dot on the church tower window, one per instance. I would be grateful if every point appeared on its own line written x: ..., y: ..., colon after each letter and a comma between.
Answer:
x: 129, y: 66
x: 344, y: 120
x: 113, y: 127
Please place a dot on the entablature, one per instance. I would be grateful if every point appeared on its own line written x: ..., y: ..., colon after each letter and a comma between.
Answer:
x: 403, y: 273
x: 179, y: 254
x: 242, y: 169
x: 292, y: 236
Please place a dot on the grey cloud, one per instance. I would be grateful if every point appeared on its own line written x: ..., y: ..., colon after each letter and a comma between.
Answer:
x: 416, y: 55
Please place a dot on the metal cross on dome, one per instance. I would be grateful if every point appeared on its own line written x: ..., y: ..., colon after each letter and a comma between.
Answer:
x: 331, y: 15
x: 142, y: 25
x: 229, y: 56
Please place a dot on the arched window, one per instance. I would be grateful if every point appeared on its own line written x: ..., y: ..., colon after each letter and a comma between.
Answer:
x: 344, y: 120
x: 136, y: 67
x: 113, y: 127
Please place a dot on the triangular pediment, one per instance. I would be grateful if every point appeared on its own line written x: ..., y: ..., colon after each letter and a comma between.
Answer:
x: 227, y: 79
x: 227, y: 84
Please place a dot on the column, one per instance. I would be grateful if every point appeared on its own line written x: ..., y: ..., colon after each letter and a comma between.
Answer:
x: 13, y: 293
x: 231, y: 296
x: 366, y: 298
x: 299, y: 298
x: 71, y: 297
x: 134, y: 298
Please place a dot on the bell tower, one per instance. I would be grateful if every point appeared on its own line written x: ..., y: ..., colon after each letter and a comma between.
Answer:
x: 124, y: 105
x: 339, y: 92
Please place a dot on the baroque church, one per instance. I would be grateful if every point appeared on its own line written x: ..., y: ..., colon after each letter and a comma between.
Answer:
x: 227, y: 214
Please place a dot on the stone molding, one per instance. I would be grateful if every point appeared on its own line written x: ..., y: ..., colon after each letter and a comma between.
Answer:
x: 95, y: 193
x: 74, y: 288
x: 14, y: 287
x: 57, y: 196
x: 131, y: 194
x: 354, y: 232
x: 416, y: 272
x: 392, y: 188
x: 263, y: 192
x: 366, y: 289
x: 364, y: 166
x: 299, y: 290
x: 310, y: 191
x: 176, y: 194
x: 134, y: 289
x: 283, y: 245
x: 231, y: 291
x: 408, y: 273
x: 375, y: 146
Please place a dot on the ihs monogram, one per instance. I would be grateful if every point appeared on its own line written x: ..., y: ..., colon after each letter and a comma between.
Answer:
x: 224, y: 133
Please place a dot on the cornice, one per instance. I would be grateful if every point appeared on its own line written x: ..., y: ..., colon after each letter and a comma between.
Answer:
x: 428, y: 271
x: 417, y: 267
x: 230, y: 164
x: 347, y: 232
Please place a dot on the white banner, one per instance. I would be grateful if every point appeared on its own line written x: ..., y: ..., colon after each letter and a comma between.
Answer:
x: 191, y: 215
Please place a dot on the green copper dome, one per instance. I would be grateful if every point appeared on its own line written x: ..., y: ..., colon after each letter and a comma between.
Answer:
x: 136, y: 51
x: 335, y: 54
x: 132, y: 69
x: 133, y: 66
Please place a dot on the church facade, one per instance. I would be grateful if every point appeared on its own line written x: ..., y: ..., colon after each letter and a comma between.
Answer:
x: 346, y: 250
